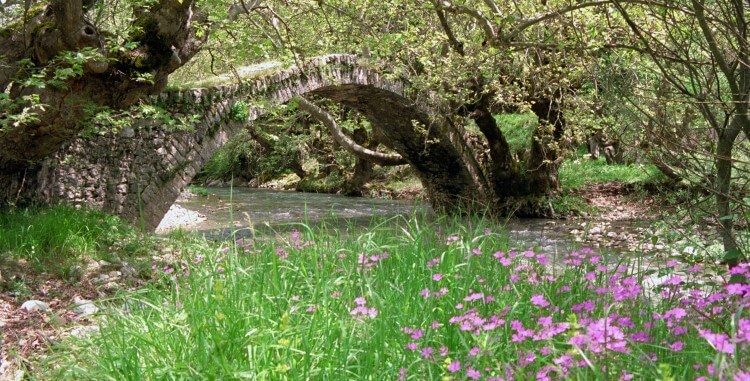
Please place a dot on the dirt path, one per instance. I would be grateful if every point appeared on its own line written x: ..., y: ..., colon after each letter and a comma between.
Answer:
x: 617, y: 202
x: 620, y: 212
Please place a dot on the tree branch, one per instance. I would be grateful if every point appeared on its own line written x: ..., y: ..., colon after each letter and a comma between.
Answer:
x: 510, y: 36
x: 714, y: 48
x: 349, y: 144
x: 484, y: 22
x: 454, y: 43
x: 493, y: 6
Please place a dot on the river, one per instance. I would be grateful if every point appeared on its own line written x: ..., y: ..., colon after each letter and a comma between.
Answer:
x: 237, y: 209
x: 232, y: 212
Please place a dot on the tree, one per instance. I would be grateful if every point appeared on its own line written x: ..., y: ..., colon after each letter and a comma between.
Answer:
x: 64, y: 59
x: 701, y: 53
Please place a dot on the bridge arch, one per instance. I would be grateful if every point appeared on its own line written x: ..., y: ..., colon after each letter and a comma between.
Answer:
x: 137, y: 171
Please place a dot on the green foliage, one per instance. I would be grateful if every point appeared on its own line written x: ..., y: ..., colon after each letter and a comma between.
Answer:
x: 330, y: 183
x: 384, y: 301
x: 577, y: 173
x: 239, y: 111
x: 20, y: 111
x: 57, y: 238
x: 238, y: 157
x: 198, y: 190
x: 283, y: 142
x: 566, y: 204
x: 179, y: 123
x: 104, y: 120
x: 517, y: 129
x: 25, y: 109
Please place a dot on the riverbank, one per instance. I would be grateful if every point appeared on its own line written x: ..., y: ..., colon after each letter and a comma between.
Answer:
x: 287, y: 308
x: 32, y: 332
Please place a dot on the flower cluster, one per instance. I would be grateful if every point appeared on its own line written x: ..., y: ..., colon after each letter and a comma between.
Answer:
x: 361, y: 311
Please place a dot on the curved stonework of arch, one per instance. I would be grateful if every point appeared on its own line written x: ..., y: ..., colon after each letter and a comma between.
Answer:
x: 138, y: 171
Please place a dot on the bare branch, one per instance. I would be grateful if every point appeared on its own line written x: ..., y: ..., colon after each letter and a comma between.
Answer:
x: 714, y: 48
x: 484, y: 22
x: 493, y: 6
x: 349, y: 144
x: 551, y: 15
x: 454, y: 43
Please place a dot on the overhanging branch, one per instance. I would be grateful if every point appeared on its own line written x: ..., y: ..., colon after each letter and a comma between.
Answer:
x: 350, y: 145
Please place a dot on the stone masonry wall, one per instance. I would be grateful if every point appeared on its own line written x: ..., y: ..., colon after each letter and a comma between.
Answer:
x: 138, y: 171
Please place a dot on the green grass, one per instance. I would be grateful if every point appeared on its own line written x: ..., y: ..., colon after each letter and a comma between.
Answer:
x: 517, y: 129
x: 54, y: 239
x: 198, y: 190
x: 566, y: 204
x: 319, y: 305
x: 577, y: 173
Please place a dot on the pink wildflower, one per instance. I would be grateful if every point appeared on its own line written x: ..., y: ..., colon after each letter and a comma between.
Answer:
x: 677, y: 346
x: 538, y: 300
x: 473, y: 374
x: 719, y: 341
x: 454, y: 366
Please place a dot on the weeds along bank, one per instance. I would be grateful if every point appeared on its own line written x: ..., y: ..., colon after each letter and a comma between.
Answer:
x: 413, y: 300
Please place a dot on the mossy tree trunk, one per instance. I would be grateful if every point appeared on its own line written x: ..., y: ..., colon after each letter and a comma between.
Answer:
x: 60, y: 89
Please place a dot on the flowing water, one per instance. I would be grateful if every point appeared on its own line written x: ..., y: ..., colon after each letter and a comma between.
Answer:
x: 245, y: 211
x: 237, y: 209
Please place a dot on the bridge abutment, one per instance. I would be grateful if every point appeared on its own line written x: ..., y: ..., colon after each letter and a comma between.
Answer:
x: 135, y: 164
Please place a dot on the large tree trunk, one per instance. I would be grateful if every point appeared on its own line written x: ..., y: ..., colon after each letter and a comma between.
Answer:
x: 165, y: 40
x: 364, y: 170
x: 723, y: 189
x: 504, y: 173
x: 546, y: 150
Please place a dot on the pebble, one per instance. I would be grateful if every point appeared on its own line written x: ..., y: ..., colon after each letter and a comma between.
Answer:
x: 595, y: 230
x: 113, y: 275
x: 103, y: 278
x: 84, y: 331
x: 35, y: 305
x: 128, y: 270
x: 111, y: 286
x: 84, y: 307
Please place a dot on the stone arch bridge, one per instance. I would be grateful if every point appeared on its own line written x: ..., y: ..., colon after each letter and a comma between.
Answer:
x: 138, y: 170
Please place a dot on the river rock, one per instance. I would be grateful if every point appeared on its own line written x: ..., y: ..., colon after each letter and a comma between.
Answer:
x: 128, y: 270
x: 84, y: 331
x: 127, y: 132
x: 35, y: 305
x: 596, y: 230
x: 111, y: 286
x: 611, y: 234
x: 84, y: 307
x: 114, y: 275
